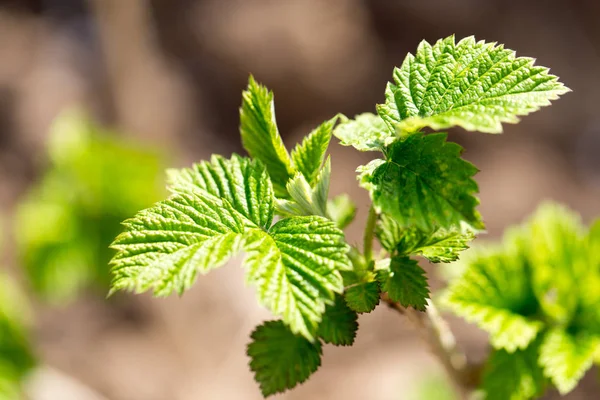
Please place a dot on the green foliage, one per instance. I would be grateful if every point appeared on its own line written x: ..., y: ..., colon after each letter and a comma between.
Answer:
x: 366, y: 132
x: 363, y: 297
x: 260, y: 134
x: 538, y: 289
x: 281, y: 360
x: 16, y: 358
x: 294, y: 263
x: 474, y: 85
x: 441, y: 245
x: 424, y: 204
x: 406, y: 282
x: 66, y: 221
x: 425, y: 184
x: 513, y: 376
x: 339, y: 323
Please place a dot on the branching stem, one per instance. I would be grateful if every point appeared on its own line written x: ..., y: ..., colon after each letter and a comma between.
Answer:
x: 436, y: 333
x: 369, y: 234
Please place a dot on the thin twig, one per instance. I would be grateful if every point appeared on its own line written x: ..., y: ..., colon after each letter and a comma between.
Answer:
x: 369, y: 234
x: 436, y: 333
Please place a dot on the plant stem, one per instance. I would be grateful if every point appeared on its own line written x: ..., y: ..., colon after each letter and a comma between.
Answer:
x: 436, y: 333
x: 369, y: 234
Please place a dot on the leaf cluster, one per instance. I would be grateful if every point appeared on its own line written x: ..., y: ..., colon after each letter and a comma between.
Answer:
x: 537, y: 294
x: 274, y: 206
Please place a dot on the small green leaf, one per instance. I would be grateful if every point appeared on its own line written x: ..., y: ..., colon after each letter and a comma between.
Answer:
x: 307, y: 200
x: 565, y: 357
x: 339, y: 323
x: 514, y: 376
x: 425, y: 184
x: 342, y: 210
x: 474, y: 85
x: 281, y: 360
x: 363, y: 297
x: 407, y: 283
x: 442, y: 245
x: 260, y: 135
x: 308, y: 156
x: 366, y: 132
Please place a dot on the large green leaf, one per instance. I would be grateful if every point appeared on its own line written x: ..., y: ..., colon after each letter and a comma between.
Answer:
x: 366, y: 132
x: 295, y: 263
x: 474, y: 85
x: 566, y: 357
x: 363, y: 297
x: 260, y: 135
x: 296, y: 269
x: 281, y: 360
x: 220, y: 177
x: 441, y: 245
x: 425, y: 184
x: 513, y: 376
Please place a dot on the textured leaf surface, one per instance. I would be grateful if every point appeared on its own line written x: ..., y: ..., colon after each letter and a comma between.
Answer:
x: 308, y: 156
x: 424, y: 183
x: 306, y: 199
x: 441, y: 245
x: 218, y: 209
x: 339, y: 324
x: 363, y: 297
x: 565, y: 358
x: 513, y: 376
x: 407, y: 283
x: 281, y: 360
x: 296, y: 269
x: 496, y: 294
x: 260, y: 135
x: 474, y: 85
x: 366, y: 132
x: 222, y: 178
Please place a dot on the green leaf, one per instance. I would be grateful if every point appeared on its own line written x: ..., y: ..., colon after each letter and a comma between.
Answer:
x: 407, y: 283
x: 342, y: 210
x: 495, y: 293
x: 565, y: 357
x: 308, y: 156
x: 295, y: 263
x: 442, y: 245
x: 307, y: 200
x: 220, y: 178
x: 279, y: 359
x: 424, y: 183
x: 166, y: 246
x: 339, y: 323
x: 296, y: 269
x: 474, y: 85
x: 513, y: 376
x: 260, y: 135
x: 366, y: 132
x: 363, y: 297
x: 557, y: 247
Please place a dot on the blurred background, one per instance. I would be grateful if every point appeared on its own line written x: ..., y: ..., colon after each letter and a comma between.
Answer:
x: 161, y: 81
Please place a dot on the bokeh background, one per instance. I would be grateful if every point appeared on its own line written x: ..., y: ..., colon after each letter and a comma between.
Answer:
x: 168, y: 74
